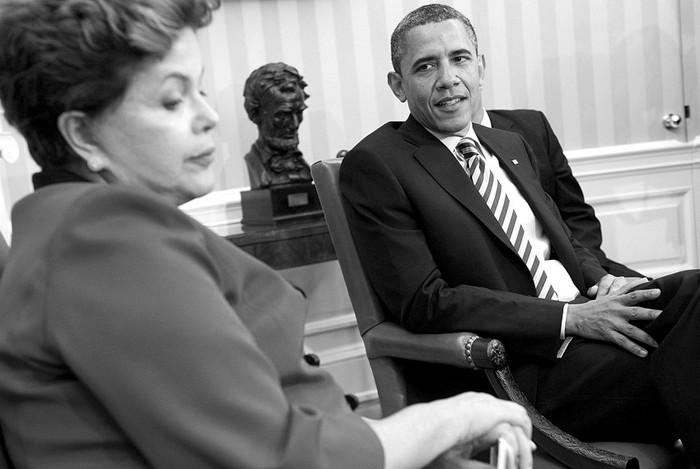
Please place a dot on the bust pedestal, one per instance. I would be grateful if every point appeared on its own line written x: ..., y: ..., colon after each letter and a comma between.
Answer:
x: 280, y: 204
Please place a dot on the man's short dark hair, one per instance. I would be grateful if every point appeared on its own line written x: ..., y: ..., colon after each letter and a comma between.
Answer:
x: 433, y: 13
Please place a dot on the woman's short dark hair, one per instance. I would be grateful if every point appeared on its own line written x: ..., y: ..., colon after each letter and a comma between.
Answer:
x: 61, y: 55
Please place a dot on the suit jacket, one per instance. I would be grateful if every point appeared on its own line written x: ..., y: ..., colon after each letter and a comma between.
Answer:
x: 132, y: 336
x: 434, y: 251
x: 558, y: 181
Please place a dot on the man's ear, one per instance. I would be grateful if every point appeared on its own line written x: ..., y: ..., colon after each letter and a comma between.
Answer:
x: 75, y: 128
x: 482, y: 69
x: 395, y: 81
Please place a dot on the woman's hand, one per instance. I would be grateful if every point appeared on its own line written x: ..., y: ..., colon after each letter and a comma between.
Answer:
x: 450, y: 431
x: 492, y: 420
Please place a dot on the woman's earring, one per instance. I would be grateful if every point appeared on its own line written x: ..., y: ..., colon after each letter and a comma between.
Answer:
x: 95, y: 164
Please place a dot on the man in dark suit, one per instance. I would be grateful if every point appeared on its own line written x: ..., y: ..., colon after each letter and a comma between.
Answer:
x: 555, y: 176
x: 605, y: 358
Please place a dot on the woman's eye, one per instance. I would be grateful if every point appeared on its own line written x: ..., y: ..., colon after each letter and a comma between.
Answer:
x: 172, y: 104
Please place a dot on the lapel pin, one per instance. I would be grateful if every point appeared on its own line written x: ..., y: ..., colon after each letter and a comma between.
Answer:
x: 514, y: 161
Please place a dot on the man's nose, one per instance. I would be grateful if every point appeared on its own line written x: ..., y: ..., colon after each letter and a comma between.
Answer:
x: 447, y: 78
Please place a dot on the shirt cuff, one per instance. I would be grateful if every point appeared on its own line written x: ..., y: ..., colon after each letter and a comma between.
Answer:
x: 562, y: 332
x: 564, y: 314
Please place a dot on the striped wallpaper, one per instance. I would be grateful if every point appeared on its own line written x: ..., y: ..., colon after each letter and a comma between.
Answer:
x: 604, y: 71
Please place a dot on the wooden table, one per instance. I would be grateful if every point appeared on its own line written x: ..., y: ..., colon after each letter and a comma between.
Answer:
x: 289, y: 245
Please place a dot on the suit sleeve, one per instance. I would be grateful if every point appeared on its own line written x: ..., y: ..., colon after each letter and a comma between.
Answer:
x: 138, y: 313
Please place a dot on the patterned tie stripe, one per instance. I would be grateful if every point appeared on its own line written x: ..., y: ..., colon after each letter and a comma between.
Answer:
x: 498, y: 201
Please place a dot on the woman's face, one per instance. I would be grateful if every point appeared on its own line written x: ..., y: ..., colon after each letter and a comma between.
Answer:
x: 159, y: 136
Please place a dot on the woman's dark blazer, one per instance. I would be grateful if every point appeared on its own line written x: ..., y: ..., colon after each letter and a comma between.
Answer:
x: 133, y: 336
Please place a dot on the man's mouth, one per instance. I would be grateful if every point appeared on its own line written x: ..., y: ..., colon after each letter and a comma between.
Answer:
x: 450, y: 101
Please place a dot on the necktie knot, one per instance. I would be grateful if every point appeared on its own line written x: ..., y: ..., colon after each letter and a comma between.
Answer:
x: 468, y: 148
x: 470, y: 151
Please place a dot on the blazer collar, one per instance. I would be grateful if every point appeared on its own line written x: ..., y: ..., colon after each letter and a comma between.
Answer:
x: 500, y: 122
x: 442, y: 165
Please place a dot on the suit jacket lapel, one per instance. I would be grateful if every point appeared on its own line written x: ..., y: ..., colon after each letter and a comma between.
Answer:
x: 442, y: 165
x: 521, y: 175
x: 510, y: 160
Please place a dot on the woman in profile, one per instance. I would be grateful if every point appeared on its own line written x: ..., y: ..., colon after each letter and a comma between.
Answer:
x: 131, y: 335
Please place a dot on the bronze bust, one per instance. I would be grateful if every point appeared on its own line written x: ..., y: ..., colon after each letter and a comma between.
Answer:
x: 274, y: 100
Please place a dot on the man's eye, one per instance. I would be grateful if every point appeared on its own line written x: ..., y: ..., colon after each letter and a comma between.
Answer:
x: 424, y: 67
x: 461, y: 59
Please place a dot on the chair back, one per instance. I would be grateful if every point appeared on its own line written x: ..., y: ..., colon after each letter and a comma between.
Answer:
x: 4, y: 250
x: 388, y: 373
x: 369, y: 309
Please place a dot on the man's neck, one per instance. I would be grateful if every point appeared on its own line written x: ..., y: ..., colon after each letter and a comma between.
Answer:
x: 441, y: 136
x: 478, y: 116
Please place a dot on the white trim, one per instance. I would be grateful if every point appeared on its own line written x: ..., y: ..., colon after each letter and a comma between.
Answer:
x: 220, y: 210
x: 342, y: 354
x: 335, y: 323
x: 367, y: 396
x: 632, y: 149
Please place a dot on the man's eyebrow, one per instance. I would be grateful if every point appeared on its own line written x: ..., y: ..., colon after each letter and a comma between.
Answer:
x: 461, y: 52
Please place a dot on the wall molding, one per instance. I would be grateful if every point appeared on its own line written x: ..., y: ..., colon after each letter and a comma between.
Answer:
x: 221, y: 210
x: 633, y: 159
x: 331, y: 324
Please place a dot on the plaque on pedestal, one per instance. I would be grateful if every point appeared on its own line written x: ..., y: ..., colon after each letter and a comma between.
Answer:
x: 283, y: 203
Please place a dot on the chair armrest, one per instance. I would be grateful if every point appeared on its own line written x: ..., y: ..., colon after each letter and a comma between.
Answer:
x: 460, y: 349
x: 553, y: 440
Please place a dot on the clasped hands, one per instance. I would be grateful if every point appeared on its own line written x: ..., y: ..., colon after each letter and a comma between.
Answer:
x: 609, y: 314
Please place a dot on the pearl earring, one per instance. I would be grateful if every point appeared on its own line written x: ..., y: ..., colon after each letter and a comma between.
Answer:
x: 95, y: 164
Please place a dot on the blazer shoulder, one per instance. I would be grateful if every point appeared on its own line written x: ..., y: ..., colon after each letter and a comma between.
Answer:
x: 66, y: 208
x: 387, y: 133
x: 383, y: 143
x: 516, y: 113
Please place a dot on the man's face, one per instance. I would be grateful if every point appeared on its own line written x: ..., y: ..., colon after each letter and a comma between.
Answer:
x: 280, y: 116
x: 441, y: 76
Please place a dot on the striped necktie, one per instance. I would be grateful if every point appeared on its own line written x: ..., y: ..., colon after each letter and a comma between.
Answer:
x: 497, y: 200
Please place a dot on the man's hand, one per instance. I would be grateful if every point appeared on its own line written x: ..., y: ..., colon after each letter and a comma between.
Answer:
x: 608, y: 316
